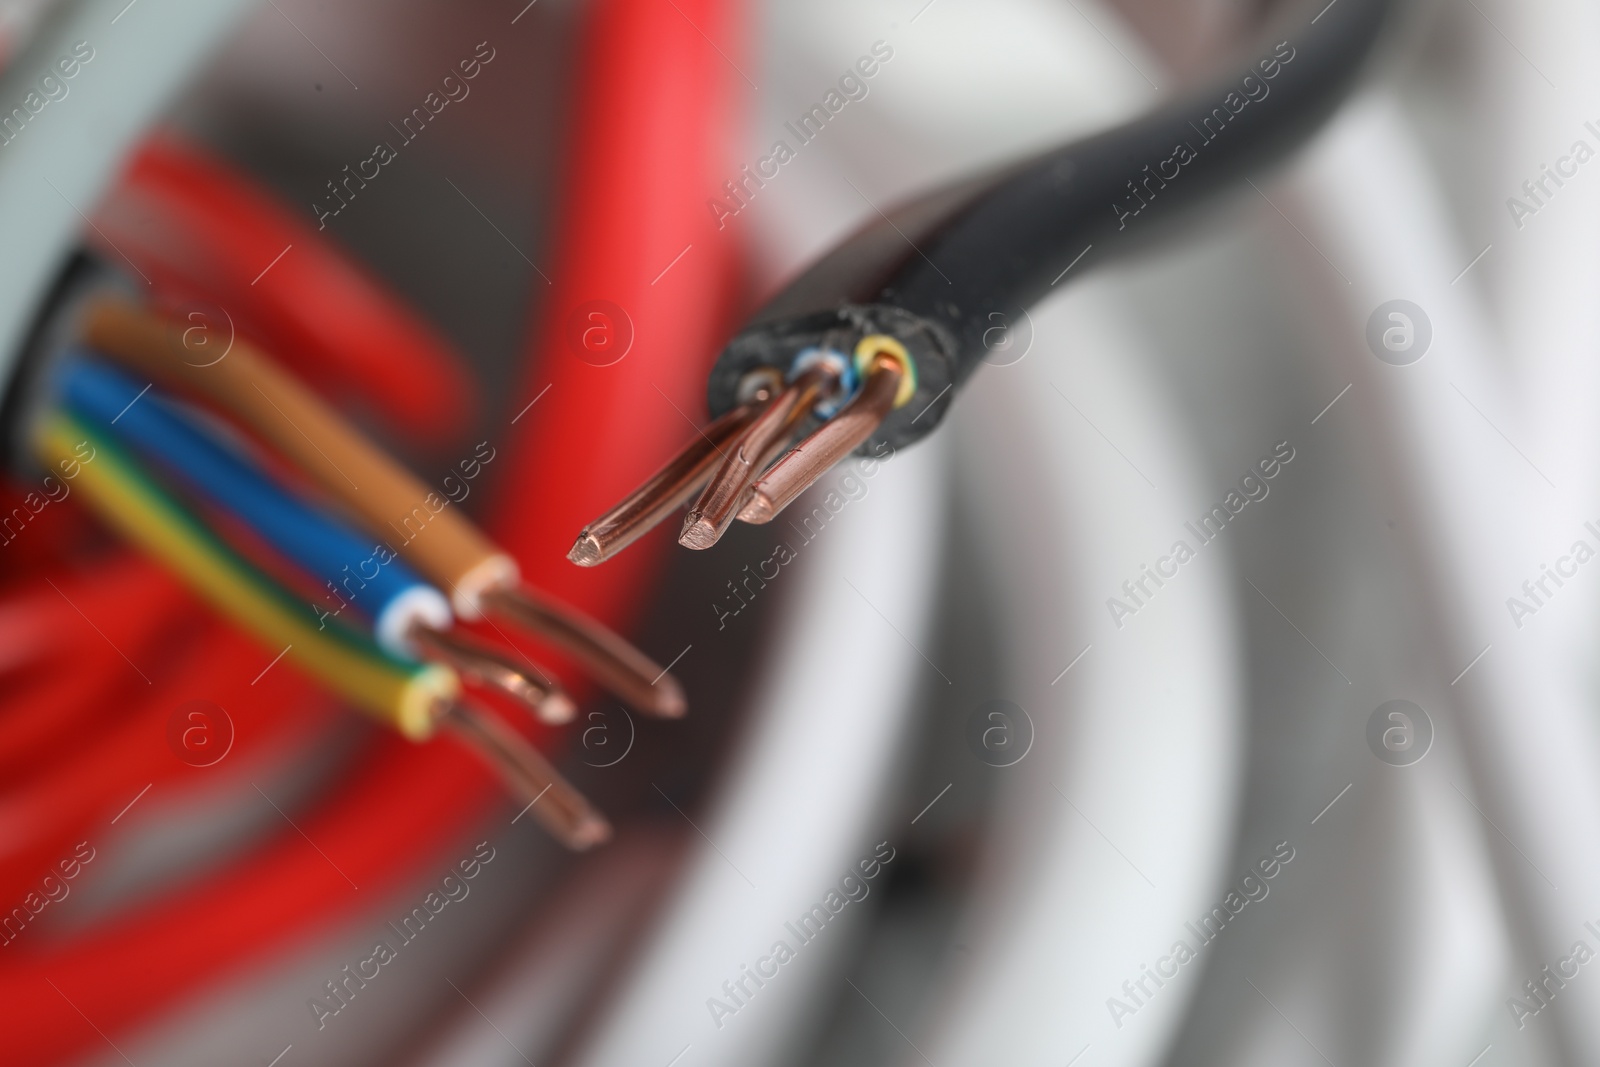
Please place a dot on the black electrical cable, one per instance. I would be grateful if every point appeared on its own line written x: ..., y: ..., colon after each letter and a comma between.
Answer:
x: 940, y: 273
x: 925, y: 288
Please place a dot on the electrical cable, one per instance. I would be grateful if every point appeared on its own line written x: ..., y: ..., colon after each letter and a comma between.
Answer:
x: 94, y: 775
x: 404, y: 802
x: 58, y: 700
x: 668, y: 489
x: 1525, y: 720
x: 393, y: 596
x: 767, y: 436
x: 997, y: 243
x: 251, y: 388
x: 403, y: 695
x: 438, y: 540
x: 478, y: 661
x: 400, y: 805
x: 414, y: 698
x: 35, y: 613
x: 405, y: 611
x: 881, y: 387
x: 936, y: 274
x: 1146, y: 1023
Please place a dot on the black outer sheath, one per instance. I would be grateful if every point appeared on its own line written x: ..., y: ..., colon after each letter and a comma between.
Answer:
x: 960, y: 261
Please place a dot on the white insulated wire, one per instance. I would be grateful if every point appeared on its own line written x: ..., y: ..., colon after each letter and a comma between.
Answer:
x: 805, y: 800
x: 53, y: 172
x: 1118, y: 827
x: 1474, y: 512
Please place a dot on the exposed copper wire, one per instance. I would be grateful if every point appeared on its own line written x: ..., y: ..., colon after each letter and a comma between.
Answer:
x: 558, y: 806
x: 767, y: 436
x: 481, y: 662
x: 832, y: 441
x: 610, y: 659
x: 667, y: 490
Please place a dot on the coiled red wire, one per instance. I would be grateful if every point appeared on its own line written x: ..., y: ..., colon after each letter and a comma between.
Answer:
x: 195, y: 226
x: 98, y: 647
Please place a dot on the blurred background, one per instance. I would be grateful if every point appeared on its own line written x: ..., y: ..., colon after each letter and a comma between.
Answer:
x: 1057, y: 769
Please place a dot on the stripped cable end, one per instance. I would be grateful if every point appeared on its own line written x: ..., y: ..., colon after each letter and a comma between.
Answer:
x: 487, y: 665
x: 558, y: 709
x: 888, y: 381
x: 766, y: 438
x: 555, y: 802
x: 672, y: 486
x: 731, y: 465
x: 587, y: 551
x: 607, y: 656
x: 699, y: 532
x: 671, y: 703
x: 759, y: 508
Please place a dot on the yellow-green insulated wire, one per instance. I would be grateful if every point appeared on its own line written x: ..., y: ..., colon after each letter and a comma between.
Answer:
x: 408, y: 696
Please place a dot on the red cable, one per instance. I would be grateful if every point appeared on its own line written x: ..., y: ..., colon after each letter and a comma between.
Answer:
x: 649, y: 146
x: 60, y: 696
x: 39, y: 617
x: 198, y: 228
x: 654, y: 100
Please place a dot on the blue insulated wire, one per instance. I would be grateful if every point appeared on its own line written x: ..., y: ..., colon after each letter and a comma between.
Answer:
x: 363, y: 575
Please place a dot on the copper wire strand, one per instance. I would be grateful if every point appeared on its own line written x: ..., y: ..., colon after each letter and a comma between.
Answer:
x: 765, y: 439
x: 478, y: 661
x: 555, y: 802
x: 832, y: 442
x: 667, y: 490
x: 607, y: 657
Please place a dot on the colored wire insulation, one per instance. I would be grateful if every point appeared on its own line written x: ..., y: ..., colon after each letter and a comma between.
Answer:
x: 251, y: 387
x: 205, y: 233
x: 406, y: 696
x: 443, y: 544
x: 393, y: 595
x: 54, y: 692
x: 36, y: 615
x: 642, y: 69
x: 415, y: 699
